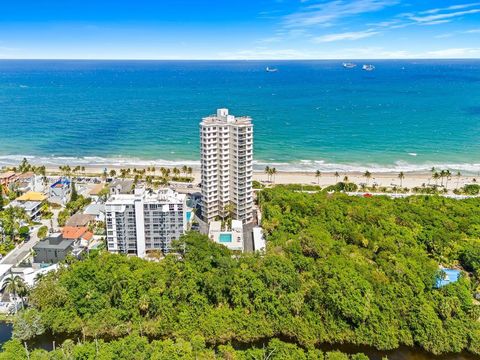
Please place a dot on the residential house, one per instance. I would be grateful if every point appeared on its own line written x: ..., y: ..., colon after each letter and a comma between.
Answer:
x: 79, y: 234
x: 60, y: 190
x: 121, y: 186
x: 31, y: 202
x: 95, y: 192
x: 80, y: 220
x: 95, y: 210
x: 52, y: 249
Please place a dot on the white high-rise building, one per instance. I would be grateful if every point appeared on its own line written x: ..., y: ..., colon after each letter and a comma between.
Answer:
x: 143, y: 221
x: 226, y: 148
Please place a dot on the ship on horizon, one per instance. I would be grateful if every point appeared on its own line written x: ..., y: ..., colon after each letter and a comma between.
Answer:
x: 349, y: 65
x: 368, y: 67
x: 270, y: 69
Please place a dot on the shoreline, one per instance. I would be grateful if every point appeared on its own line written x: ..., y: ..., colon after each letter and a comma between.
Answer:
x: 383, y: 179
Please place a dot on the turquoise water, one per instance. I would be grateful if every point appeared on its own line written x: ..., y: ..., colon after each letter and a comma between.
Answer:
x: 225, y: 238
x: 407, y: 115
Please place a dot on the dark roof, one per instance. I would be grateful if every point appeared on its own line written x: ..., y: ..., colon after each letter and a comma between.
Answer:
x: 125, y: 185
x: 54, y: 243
x: 80, y: 220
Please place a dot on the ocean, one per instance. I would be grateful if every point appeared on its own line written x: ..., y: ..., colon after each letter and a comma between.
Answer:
x: 406, y: 115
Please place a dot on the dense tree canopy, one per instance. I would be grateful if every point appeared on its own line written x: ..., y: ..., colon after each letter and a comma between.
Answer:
x: 338, y: 269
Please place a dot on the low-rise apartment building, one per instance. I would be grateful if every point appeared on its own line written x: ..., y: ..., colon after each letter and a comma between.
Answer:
x: 144, y: 221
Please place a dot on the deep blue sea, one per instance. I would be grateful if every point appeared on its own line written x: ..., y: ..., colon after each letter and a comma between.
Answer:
x: 407, y: 115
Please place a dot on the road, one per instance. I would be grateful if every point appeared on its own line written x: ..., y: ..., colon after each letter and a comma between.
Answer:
x: 18, y: 254
x: 21, y: 252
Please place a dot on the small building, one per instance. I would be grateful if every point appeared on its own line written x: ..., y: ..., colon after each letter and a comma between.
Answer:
x: 231, y: 238
x: 31, y: 202
x: 32, y: 196
x: 26, y: 182
x: 120, y: 186
x: 32, y: 208
x: 95, y: 192
x: 80, y: 220
x: 7, y: 178
x: 52, y: 249
x: 79, y: 234
x: 60, y: 190
x: 97, y: 211
x: 258, y: 239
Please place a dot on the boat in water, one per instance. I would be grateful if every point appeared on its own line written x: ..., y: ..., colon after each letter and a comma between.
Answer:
x: 349, y: 65
x: 270, y: 69
x: 368, y: 67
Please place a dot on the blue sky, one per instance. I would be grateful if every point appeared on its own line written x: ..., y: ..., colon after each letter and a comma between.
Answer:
x: 231, y: 29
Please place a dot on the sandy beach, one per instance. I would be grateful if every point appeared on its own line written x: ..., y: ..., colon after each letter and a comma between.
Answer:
x: 412, y: 179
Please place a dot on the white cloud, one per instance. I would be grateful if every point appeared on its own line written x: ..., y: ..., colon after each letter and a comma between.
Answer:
x: 345, y: 36
x: 331, y: 11
x: 437, y: 17
x: 435, y: 22
x: 449, y: 8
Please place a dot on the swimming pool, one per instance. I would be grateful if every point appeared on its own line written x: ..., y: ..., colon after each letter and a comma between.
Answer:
x: 225, y: 238
x: 447, y: 276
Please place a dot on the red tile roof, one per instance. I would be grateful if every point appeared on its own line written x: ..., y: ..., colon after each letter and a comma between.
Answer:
x: 88, y: 236
x: 71, y: 232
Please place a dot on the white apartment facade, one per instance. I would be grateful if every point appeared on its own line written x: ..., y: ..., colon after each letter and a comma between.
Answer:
x: 226, y: 149
x: 146, y: 220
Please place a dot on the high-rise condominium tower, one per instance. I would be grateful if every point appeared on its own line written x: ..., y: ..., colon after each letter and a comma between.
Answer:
x: 226, y: 148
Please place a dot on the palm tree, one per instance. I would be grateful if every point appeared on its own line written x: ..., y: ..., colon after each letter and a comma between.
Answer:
x: 273, y: 171
x: 184, y: 169
x: 175, y: 171
x: 16, y: 286
x: 459, y: 175
x: 117, y: 290
x: 318, y: 174
x: 448, y: 176
x: 442, y: 175
x: 435, y: 177
x: 346, y: 179
x: 337, y: 175
x: 367, y: 176
x: 401, y: 176
x: 267, y: 171
x: 144, y: 304
x: 189, y: 171
x: 113, y: 173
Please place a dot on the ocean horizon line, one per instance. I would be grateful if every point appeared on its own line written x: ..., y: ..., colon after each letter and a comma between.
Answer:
x: 245, y: 59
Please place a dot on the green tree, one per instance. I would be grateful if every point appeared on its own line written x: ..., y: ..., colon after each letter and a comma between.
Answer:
x: 367, y: 174
x: 15, y: 286
x: 401, y: 176
x: 42, y: 232
x: 74, y: 194
x: 27, y: 325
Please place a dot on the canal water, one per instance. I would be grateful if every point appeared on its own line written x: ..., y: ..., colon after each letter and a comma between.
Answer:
x: 402, y: 353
